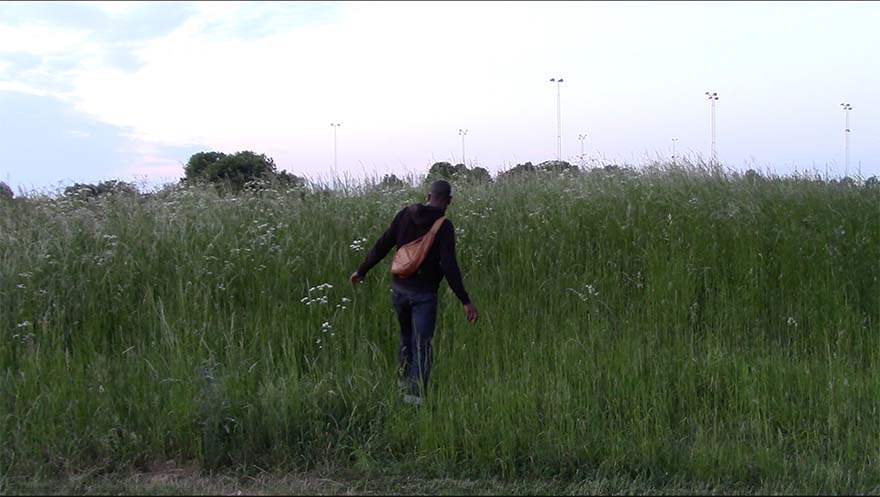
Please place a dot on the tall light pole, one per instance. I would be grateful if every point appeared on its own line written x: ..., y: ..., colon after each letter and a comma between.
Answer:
x: 712, y: 98
x: 335, y: 125
x: 582, y: 138
x: 462, y: 133
x: 558, y: 119
x: 846, y: 109
x: 673, y: 150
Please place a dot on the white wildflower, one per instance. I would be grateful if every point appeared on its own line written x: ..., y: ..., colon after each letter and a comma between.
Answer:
x: 358, y: 244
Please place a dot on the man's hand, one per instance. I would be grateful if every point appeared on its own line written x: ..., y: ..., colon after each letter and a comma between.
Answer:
x: 470, y: 310
x: 355, y: 278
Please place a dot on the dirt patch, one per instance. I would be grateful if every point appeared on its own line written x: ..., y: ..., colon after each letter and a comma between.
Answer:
x: 169, y: 478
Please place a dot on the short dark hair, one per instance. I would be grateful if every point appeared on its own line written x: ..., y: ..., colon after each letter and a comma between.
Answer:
x: 441, y: 188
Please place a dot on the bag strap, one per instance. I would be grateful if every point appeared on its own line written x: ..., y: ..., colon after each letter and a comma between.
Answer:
x: 436, y: 227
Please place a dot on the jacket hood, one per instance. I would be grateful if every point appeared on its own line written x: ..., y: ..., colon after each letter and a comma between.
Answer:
x: 423, y: 214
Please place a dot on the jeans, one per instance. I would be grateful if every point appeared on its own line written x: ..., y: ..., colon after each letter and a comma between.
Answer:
x: 417, y: 314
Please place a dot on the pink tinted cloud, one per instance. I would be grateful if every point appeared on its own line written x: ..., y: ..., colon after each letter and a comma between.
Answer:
x: 150, y: 164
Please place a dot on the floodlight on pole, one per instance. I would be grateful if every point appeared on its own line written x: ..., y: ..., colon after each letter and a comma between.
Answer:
x: 673, y: 150
x: 462, y: 133
x: 582, y: 138
x: 335, y: 125
x: 558, y: 118
x: 712, y: 98
x: 846, y: 108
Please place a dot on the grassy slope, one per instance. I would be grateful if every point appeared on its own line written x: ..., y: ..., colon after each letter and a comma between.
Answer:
x: 673, y: 326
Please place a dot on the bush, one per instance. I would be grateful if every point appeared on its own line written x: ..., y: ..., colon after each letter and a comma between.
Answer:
x: 86, y: 190
x: 228, y: 170
x: 236, y: 170
x: 197, y: 166
x: 458, y: 173
x: 440, y: 170
x: 517, y: 170
x: 81, y: 190
x: 556, y: 166
x: 391, y: 181
x: 290, y: 180
x: 550, y: 166
x: 6, y: 192
x: 116, y: 186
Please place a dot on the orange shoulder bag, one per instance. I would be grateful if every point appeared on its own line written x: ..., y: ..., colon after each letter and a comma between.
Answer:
x: 409, y: 257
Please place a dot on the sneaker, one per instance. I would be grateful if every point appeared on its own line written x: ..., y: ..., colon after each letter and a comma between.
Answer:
x: 402, y: 384
x: 412, y: 399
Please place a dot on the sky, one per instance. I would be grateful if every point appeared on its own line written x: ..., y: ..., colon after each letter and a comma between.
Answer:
x: 91, y: 91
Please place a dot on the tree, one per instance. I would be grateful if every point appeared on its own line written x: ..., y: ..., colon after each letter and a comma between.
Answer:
x: 458, y: 172
x: 517, y: 170
x: 480, y: 175
x: 117, y: 187
x: 88, y: 190
x: 550, y: 166
x: 556, y: 166
x: 441, y: 170
x: 6, y: 192
x: 81, y: 190
x: 290, y: 180
x: 198, y: 164
x: 233, y: 170
x: 391, y: 181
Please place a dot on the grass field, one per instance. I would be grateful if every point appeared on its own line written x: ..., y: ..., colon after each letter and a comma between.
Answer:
x: 680, y: 327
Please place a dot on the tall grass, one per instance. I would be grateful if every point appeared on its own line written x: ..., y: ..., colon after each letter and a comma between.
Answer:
x: 672, y: 323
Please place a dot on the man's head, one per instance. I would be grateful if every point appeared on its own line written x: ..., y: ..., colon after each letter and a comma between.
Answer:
x: 440, y: 194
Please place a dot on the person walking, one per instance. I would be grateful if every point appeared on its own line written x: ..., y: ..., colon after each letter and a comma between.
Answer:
x: 414, y: 297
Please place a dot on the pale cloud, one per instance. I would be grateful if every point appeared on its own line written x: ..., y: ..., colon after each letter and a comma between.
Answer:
x: 39, y: 38
x: 57, y: 52
x: 154, y: 170
x: 378, y: 66
x: 397, y: 70
x: 115, y: 9
x: 403, y: 77
x: 19, y: 87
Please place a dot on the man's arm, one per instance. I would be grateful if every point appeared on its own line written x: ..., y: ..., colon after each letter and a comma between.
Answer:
x: 381, y: 248
x: 449, y: 263
x: 453, y: 274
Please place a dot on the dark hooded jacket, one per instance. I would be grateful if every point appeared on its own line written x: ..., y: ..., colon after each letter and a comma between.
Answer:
x: 409, y: 224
